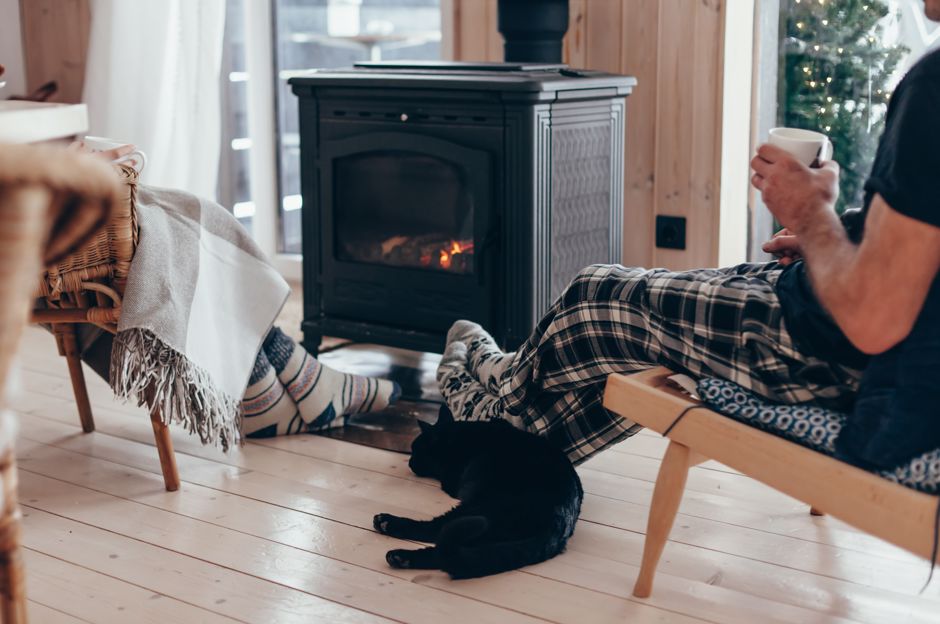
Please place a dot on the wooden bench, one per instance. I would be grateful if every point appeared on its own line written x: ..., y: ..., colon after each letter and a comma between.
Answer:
x: 895, y: 513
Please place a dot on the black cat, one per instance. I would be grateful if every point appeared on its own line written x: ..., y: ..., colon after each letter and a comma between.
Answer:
x: 519, y: 499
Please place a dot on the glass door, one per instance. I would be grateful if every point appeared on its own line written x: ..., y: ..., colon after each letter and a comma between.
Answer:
x: 403, y: 209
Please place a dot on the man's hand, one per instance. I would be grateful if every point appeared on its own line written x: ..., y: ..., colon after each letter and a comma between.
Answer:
x: 796, y: 194
x: 785, y: 246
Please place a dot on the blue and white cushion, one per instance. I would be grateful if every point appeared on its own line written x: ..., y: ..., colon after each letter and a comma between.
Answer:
x: 808, y: 425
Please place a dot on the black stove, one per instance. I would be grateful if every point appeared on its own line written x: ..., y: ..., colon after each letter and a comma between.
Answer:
x: 441, y: 191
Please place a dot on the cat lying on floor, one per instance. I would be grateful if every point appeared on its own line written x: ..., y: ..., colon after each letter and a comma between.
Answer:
x: 519, y: 499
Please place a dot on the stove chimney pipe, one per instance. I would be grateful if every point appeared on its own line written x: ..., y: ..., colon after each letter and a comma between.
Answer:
x: 533, y: 29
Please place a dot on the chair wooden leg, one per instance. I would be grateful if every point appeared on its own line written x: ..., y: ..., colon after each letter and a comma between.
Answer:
x: 666, y: 497
x: 68, y: 345
x: 12, y: 576
x: 161, y: 433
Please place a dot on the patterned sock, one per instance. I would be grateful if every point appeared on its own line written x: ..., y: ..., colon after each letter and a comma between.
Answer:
x: 465, y: 396
x: 486, y: 362
x: 268, y: 409
x: 321, y: 393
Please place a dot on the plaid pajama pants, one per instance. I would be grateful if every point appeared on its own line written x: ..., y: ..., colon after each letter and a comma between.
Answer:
x: 725, y: 323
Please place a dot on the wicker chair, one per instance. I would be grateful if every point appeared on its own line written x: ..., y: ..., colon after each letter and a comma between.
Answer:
x: 51, y: 201
x: 87, y: 287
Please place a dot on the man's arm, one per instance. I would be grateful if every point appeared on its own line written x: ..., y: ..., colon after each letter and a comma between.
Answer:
x: 874, y: 291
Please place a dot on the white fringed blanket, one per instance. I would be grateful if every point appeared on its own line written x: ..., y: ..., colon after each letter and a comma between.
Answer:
x: 200, y: 298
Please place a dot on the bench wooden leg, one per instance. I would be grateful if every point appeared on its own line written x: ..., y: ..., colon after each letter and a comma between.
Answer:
x: 666, y: 497
x: 68, y: 346
x: 161, y: 433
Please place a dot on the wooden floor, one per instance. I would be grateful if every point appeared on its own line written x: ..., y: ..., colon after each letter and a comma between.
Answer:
x: 280, y: 531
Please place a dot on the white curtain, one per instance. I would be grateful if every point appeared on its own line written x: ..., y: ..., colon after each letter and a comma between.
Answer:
x: 152, y: 79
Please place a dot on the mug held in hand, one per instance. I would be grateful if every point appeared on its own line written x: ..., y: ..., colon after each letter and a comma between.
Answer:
x: 806, y: 146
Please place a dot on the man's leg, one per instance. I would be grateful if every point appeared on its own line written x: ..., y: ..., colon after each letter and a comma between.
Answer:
x: 724, y: 323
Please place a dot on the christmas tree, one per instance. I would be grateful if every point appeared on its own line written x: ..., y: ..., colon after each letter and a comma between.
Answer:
x: 835, y: 78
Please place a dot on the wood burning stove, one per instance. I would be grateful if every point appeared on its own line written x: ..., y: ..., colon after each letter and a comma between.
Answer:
x: 439, y: 191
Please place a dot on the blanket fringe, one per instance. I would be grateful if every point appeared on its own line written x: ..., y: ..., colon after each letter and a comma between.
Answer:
x: 146, y: 370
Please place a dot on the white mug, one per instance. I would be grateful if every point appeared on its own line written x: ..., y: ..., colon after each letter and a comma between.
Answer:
x: 805, y: 145
x: 136, y: 159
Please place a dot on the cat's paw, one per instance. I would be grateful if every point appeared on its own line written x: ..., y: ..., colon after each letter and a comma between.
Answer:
x: 383, y: 523
x: 398, y: 558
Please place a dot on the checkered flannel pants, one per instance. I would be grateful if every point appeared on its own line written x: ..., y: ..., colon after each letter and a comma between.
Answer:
x: 723, y: 323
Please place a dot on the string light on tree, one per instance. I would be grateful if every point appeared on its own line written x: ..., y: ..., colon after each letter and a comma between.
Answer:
x: 837, y: 72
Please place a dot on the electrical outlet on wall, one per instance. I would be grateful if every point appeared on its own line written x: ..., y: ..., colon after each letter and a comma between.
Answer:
x: 670, y: 232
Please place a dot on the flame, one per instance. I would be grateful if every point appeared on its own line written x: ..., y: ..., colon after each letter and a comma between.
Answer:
x: 456, y: 247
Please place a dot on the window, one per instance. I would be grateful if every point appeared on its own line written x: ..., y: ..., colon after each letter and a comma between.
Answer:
x: 839, y: 62
x: 268, y: 41
x: 337, y: 33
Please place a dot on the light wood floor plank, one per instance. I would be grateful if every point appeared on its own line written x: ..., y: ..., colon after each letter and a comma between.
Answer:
x: 705, y: 566
x: 47, y: 615
x: 102, y: 599
x: 197, y: 582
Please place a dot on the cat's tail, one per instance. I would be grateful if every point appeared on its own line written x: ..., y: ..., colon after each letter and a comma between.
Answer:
x: 462, y: 560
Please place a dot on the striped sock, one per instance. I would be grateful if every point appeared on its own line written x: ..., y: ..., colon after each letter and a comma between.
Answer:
x: 321, y: 393
x: 268, y: 409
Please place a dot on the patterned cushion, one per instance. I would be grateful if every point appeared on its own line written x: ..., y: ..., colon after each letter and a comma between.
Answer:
x: 810, y: 426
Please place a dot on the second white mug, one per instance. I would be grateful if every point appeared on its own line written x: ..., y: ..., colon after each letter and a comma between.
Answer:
x: 136, y: 159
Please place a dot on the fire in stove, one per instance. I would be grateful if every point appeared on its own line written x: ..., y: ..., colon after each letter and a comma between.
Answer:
x: 447, y: 257
x: 429, y: 251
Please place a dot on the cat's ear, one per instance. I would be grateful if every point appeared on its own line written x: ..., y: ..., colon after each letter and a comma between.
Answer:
x: 425, y: 427
x: 444, y: 416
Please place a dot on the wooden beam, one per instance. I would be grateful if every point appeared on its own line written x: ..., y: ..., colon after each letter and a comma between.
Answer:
x: 574, y: 44
x: 640, y: 58
x: 55, y: 45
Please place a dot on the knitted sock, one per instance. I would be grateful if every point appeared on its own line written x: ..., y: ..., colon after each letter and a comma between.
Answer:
x: 268, y: 409
x: 321, y: 393
x: 486, y: 362
x: 465, y: 396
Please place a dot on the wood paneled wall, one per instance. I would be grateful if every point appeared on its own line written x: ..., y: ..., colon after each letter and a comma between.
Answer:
x: 55, y: 43
x: 673, y: 135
